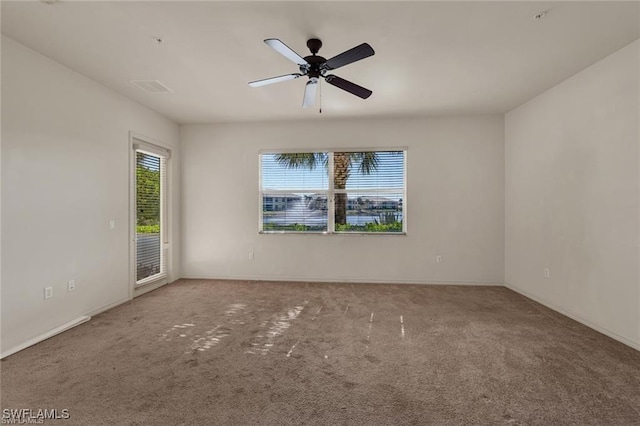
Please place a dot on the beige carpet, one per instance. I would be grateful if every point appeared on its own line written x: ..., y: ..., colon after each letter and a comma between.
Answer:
x: 245, y: 353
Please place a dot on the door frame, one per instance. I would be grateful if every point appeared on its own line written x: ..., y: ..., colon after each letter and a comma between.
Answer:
x: 135, y: 291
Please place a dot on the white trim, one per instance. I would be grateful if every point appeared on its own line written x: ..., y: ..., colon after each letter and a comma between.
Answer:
x: 132, y: 216
x: 260, y: 195
x: 160, y: 276
x: 164, y: 215
x: 294, y: 232
x: 155, y: 152
x: 294, y: 190
x: 309, y: 150
x: 46, y: 335
x: 356, y: 233
x: 340, y: 280
x: 367, y: 234
x: 633, y: 344
x: 369, y: 191
x: 143, y: 144
x: 331, y: 199
x: 157, y: 148
x: 404, y: 195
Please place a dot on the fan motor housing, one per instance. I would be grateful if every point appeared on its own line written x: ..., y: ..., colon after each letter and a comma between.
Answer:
x: 313, y: 69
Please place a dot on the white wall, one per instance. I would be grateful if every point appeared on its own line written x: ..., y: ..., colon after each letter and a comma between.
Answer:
x: 65, y: 174
x: 572, y: 188
x: 455, y: 203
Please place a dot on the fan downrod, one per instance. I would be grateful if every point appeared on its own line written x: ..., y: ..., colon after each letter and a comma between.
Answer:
x: 314, y: 62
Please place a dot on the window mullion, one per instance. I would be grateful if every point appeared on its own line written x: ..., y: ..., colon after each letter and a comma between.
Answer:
x: 260, y: 196
x: 331, y: 216
x: 404, y: 191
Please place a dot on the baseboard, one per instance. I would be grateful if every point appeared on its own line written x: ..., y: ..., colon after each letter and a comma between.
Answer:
x: 62, y: 328
x: 631, y: 343
x: 331, y: 280
x: 71, y: 324
x: 107, y: 307
x: 45, y: 336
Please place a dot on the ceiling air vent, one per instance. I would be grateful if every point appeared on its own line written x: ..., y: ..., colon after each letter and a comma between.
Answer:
x: 151, y: 86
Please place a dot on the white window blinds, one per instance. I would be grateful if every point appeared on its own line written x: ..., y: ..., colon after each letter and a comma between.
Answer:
x: 151, y: 213
x: 294, y: 192
x: 333, y: 192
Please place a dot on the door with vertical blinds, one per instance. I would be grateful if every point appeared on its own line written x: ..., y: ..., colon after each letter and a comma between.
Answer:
x: 150, y: 212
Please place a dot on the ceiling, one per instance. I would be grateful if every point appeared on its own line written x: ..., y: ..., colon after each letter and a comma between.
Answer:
x: 431, y: 58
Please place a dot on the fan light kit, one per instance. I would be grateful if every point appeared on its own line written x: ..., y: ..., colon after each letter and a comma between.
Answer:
x: 316, y: 67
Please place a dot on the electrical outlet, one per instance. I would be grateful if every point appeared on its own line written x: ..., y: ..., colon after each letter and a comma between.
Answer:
x: 71, y: 285
x: 250, y: 255
x: 438, y: 259
x: 547, y: 273
x: 112, y: 224
x: 48, y: 292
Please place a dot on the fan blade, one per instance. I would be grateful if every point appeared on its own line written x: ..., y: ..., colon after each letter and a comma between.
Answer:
x: 310, y: 93
x: 272, y: 80
x: 285, y: 51
x: 348, y: 57
x: 348, y: 86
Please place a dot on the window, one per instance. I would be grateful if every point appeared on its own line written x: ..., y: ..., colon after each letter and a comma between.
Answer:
x: 333, y: 192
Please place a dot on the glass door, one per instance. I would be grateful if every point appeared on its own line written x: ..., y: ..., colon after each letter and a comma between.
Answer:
x: 150, y: 216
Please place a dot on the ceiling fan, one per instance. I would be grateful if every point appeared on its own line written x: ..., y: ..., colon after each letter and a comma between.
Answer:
x: 315, y: 67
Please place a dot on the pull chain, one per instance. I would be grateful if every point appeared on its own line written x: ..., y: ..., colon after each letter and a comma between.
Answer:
x: 320, y: 89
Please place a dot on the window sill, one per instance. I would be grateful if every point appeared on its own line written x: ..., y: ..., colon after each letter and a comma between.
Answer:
x: 153, y: 279
x: 359, y: 234
x: 366, y: 234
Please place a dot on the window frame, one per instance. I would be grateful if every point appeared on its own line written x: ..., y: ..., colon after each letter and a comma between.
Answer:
x: 331, y: 191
